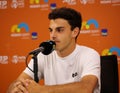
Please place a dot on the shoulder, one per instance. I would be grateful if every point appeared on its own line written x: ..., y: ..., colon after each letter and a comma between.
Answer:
x: 86, y: 50
x: 86, y: 53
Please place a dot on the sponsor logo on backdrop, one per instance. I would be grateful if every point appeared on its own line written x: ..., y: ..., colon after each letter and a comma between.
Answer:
x: 70, y: 2
x: 4, y: 59
x: 105, y: 1
x: 113, y: 2
x: 104, y: 32
x: 3, y: 4
x: 16, y: 59
x: 83, y: 1
x: 21, y: 30
x: 43, y: 4
x: 17, y: 4
x: 17, y: 28
x: 113, y: 50
x: 34, y: 35
x: 91, y: 27
x: 87, y: 1
x: 53, y: 6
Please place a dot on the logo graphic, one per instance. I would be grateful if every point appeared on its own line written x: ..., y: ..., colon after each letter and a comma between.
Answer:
x: 16, y: 59
x: 45, y: 1
x: 53, y: 6
x: 112, y: 2
x: 70, y: 2
x: 20, y: 30
x: 14, y: 4
x: 111, y: 51
x: 4, y: 59
x: 37, y: 1
x: 89, y: 23
x: 17, y: 28
x: 36, y: 4
x: 105, y: 1
x: 104, y: 32
x: 90, y: 27
x: 83, y: 1
x: 17, y: 3
x: 3, y: 4
x: 34, y: 1
x: 74, y: 74
x: 34, y: 35
x: 87, y: 1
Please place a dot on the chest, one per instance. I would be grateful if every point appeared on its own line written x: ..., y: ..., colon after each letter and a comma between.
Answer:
x: 62, y: 71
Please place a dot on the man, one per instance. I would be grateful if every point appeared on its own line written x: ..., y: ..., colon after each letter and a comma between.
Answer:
x: 71, y: 68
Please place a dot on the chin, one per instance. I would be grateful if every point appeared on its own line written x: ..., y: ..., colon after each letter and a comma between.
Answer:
x: 57, y: 49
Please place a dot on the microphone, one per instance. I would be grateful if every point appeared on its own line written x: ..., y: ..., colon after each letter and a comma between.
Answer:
x: 45, y: 47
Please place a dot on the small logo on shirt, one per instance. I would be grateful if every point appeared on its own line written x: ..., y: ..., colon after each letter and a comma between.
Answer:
x: 74, y: 74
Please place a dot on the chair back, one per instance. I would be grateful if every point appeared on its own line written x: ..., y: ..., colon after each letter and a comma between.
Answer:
x: 109, y: 74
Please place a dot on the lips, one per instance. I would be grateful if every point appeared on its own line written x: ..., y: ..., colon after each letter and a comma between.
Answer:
x: 57, y: 42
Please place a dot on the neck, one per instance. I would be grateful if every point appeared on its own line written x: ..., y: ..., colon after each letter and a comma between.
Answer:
x: 65, y: 52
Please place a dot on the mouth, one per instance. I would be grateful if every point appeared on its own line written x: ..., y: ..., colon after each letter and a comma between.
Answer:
x: 57, y: 42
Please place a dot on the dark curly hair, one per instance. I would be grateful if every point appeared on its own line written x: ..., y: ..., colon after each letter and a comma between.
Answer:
x: 72, y: 16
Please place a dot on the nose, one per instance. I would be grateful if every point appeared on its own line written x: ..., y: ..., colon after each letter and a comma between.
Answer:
x: 53, y: 34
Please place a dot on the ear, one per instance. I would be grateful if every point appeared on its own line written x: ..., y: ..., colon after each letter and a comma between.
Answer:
x: 75, y: 31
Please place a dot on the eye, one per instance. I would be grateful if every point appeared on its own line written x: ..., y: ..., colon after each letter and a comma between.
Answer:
x: 60, y: 29
x: 50, y: 30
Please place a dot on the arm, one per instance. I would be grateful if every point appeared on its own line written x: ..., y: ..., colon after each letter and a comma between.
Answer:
x: 86, y: 85
x: 18, y: 85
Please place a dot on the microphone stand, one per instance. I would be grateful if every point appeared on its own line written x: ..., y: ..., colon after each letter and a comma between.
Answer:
x: 35, y: 68
x: 49, y: 46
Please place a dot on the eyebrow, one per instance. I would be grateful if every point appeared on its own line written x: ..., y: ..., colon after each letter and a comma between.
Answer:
x: 57, y: 27
x: 60, y: 27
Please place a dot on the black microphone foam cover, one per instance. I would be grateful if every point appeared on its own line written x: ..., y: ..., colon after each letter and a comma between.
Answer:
x: 49, y: 46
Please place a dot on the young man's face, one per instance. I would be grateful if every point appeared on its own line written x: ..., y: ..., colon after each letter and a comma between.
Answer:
x: 60, y: 32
